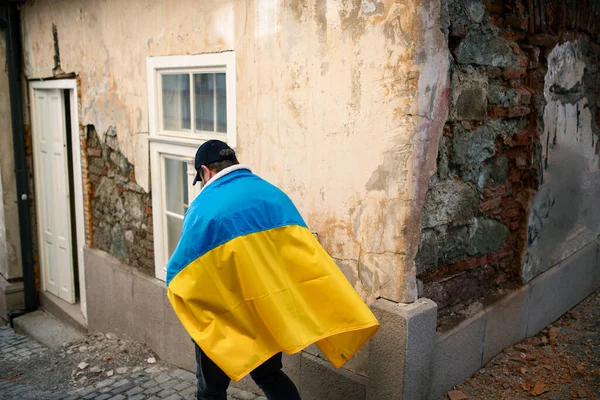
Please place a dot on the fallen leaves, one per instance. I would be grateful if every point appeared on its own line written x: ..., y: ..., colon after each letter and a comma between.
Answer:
x: 554, y: 332
x: 539, y: 388
x: 457, y: 395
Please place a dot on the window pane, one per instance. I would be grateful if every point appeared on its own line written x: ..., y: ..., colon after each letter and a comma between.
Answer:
x: 176, y: 102
x: 174, y: 187
x: 184, y: 183
x: 174, y: 227
x: 221, y: 103
x: 204, y: 97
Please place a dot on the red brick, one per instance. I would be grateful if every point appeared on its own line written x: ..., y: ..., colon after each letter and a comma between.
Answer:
x: 518, y: 111
x: 497, y: 112
x: 510, y: 213
x: 517, y: 21
x: 498, y: 21
x: 506, y: 252
x: 497, y: 191
x: 514, y: 226
x: 150, y: 255
x: 514, y: 175
x: 513, y: 73
x: 94, y: 152
x: 543, y: 39
x: 515, y: 48
x: 148, y: 210
x: 494, y: 7
x: 509, y: 202
x: 520, y: 8
x: 524, y: 61
x: 490, y: 204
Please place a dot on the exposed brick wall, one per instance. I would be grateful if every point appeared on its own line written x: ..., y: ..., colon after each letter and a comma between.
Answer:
x: 474, y: 227
x: 121, y: 211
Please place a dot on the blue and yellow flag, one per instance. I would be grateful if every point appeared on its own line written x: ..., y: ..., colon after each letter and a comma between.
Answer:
x: 249, y: 280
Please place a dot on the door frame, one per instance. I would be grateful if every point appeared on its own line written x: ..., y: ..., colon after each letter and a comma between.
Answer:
x: 76, y: 167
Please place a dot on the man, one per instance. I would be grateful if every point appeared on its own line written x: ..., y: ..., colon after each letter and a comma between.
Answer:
x: 248, y: 281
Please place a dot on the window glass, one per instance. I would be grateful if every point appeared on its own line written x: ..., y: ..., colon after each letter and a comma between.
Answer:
x: 204, y: 97
x: 221, y: 103
x: 176, y: 102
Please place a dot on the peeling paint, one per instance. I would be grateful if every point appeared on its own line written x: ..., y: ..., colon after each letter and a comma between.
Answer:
x: 337, y: 104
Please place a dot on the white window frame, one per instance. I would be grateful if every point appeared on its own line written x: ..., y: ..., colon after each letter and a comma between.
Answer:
x: 182, y: 145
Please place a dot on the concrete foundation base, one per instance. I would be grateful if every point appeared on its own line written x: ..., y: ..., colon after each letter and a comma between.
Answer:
x: 11, y: 297
x: 407, y: 359
x: 400, y: 354
x: 472, y: 344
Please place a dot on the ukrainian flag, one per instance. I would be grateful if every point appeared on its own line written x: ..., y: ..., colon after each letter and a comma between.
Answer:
x: 249, y: 280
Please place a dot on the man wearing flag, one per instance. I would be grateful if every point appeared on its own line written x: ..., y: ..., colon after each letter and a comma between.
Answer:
x: 248, y: 281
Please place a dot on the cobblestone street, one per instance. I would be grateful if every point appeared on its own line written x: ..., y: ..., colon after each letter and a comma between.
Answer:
x: 28, y: 370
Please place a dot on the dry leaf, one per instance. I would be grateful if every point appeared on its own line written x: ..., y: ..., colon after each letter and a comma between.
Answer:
x: 523, y: 370
x: 539, y: 388
x: 531, y: 357
x: 554, y: 332
x: 580, y: 368
x: 548, y: 367
x: 457, y: 395
x: 526, y: 387
x: 544, y: 340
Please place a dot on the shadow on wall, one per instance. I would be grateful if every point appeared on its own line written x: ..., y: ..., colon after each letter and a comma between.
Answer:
x: 565, y: 215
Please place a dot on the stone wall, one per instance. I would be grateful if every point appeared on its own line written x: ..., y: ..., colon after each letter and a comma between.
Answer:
x: 121, y: 210
x: 490, y: 164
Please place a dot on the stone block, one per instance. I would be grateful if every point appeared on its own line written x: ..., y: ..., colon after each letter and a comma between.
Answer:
x: 148, y: 312
x: 458, y: 354
x: 578, y: 276
x: 544, y: 303
x: 11, y: 297
x: 98, y: 282
x: 179, y: 349
x: 506, y: 322
x: 484, y: 47
x: 400, y: 353
x: 560, y: 288
x: 469, y: 96
x: 120, y: 299
x: 320, y: 380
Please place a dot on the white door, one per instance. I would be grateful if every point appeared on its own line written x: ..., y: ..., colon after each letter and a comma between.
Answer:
x: 52, y: 193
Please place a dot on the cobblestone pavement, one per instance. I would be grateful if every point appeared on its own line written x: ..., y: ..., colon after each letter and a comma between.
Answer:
x: 30, y: 371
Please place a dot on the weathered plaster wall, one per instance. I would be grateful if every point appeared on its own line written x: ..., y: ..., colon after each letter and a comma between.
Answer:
x: 565, y: 214
x: 340, y: 103
x: 10, y: 244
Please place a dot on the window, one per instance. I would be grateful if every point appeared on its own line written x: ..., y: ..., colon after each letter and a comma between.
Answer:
x: 191, y: 99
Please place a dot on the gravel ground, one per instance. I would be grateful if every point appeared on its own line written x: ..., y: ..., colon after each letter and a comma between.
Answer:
x: 100, y: 367
x: 561, y: 362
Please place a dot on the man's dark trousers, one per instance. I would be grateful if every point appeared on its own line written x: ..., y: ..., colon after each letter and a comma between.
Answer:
x: 213, y: 383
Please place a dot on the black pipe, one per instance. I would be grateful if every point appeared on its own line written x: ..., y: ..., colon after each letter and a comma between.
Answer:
x: 13, y: 61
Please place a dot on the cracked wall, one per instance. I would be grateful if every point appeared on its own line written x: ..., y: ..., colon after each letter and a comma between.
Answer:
x: 340, y: 103
x: 565, y: 215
